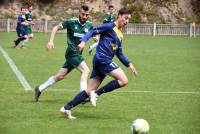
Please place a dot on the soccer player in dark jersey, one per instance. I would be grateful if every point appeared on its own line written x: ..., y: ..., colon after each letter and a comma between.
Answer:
x: 76, y: 29
x: 21, y: 23
x: 29, y: 19
x: 108, y: 18
x: 110, y: 44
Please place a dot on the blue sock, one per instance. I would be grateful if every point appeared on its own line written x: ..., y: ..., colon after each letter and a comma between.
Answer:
x: 108, y: 87
x: 80, y: 97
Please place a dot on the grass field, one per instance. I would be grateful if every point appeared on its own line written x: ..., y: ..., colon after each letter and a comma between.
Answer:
x: 166, y: 92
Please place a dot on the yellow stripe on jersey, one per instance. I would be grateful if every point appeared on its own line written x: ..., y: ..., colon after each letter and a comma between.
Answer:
x: 118, y: 32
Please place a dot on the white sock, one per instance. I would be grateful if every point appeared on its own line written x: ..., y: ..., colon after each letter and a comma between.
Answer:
x: 83, y: 85
x: 25, y: 42
x: 48, y: 83
x: 93, y: 46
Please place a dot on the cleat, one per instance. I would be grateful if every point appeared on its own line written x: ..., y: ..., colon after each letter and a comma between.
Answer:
x: 86, y: 101
x: 22, y: 46
x: 37, y: 93
x: 93, y: 98
x: 63, y: 111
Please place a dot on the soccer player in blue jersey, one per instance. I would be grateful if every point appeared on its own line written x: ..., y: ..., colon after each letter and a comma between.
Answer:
x: 21, y: 22
x: 110, y: 44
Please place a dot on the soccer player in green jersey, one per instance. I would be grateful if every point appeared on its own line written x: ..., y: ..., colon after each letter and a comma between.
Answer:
x: 27, y: 28
x: 108, y: 17
x: 76, y: 29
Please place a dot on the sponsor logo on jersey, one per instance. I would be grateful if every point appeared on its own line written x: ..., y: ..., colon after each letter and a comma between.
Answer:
x: 78, y: 35
x: 114, y: 46
x: 86, y: 30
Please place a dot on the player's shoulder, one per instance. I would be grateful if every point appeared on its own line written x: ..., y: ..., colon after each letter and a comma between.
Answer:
x: 89, y: 23
x: 19, y: 16
x: 109, y: 25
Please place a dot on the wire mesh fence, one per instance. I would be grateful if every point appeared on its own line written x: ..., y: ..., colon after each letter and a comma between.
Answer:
x: 8, y: 25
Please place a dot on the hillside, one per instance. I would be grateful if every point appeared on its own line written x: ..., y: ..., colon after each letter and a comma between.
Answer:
x: 144, y: 11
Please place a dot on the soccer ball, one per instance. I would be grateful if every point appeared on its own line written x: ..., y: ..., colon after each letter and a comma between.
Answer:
x: 140, y: 126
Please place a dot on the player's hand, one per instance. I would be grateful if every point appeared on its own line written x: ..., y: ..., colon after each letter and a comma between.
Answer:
x: 81, y: 46
x: 50, y: 45
x: 133, y: 70
x: 32, y: 23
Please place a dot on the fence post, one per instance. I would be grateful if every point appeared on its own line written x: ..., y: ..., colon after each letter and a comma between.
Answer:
x: 194, y: 29
x: 190, y: 32
x: 46, y: 26
x: 154, y: 29
x: 8, y: 25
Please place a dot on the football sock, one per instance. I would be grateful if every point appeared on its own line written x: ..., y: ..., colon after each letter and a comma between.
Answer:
x: 108, y: 87
x: 80, y: 97
x: 83, y: 85
x: 25, y: 42
x: 17, y: 41
x: 48, y: 83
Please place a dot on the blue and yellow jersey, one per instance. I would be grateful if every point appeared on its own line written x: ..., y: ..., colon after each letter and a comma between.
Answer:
x: 20, y: 19
x: 110, y: 43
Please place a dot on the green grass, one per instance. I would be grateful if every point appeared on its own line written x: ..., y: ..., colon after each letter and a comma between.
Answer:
x: 165, y: 65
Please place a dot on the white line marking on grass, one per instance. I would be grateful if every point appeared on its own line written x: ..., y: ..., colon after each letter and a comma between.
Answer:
x: 133, y: 91
x: 14, y: 68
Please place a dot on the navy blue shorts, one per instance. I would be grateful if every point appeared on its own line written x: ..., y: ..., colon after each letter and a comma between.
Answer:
x: 20, y: 32
x: 101, y: 70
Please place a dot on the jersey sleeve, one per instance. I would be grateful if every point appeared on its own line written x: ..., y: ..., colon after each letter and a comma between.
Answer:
x: 98, y: 30
x: 19, y: 19
x: 124, y: 60
x: 65, y: 24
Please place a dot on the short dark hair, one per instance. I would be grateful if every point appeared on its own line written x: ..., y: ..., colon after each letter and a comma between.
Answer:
x: 110, y: 6
x: 84, y: 7
x: 28, y: 5
x: 123, y: 11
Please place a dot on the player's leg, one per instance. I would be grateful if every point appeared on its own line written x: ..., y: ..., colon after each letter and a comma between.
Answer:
x: 120, y: 81
x: 52, y: 80
x: 92, y: 47
x: 84, y: 69
x: 96, y: 39
x: 21, y: 37
x: 29, y: 35
x: 93, y: 84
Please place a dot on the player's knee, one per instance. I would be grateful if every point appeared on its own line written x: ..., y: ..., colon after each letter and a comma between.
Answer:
x: 30, y: 36
x: 123, y: 82
x: 86, y: 71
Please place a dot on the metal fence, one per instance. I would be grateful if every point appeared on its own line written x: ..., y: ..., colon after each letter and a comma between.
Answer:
x: 8, y: 25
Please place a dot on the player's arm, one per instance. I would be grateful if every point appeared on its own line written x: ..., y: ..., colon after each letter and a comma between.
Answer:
x: 50, y: 44
x: 98, y: 30
x: 31, y: 23
x: 125, y: 61
x: 62, y: 25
